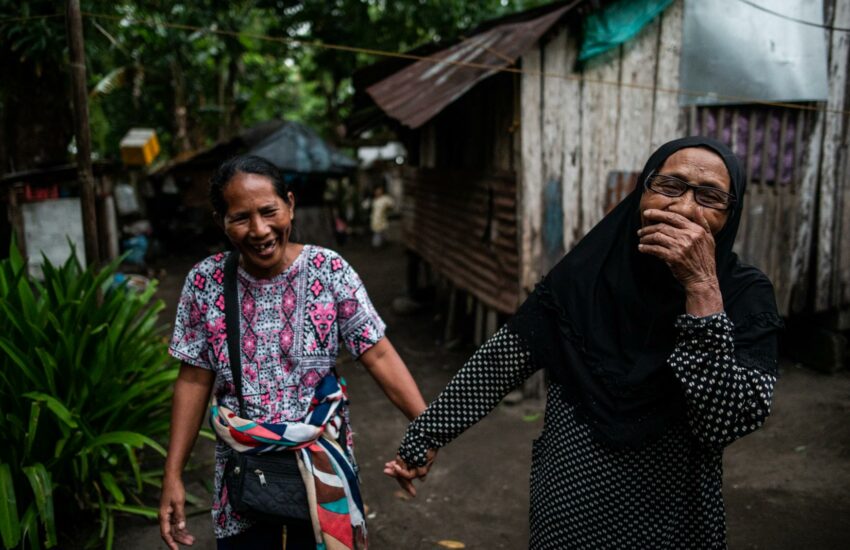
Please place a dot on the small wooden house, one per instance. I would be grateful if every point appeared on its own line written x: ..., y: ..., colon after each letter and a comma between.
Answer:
x: 516, y: 153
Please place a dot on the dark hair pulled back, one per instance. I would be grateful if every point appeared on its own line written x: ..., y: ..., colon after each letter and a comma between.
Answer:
x: 244, y: 164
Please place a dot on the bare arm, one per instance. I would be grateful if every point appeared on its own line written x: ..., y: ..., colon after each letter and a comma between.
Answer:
x: 191, y: 394
x: 391, y: 374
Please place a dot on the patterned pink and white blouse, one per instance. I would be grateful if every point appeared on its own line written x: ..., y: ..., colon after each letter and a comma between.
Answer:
x: 291, y: 328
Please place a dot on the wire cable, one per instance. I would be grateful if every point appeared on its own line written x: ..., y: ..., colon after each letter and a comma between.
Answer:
x: 479, y: 66
x: 30, y: 17
x: 794, y: 19
x: 731, y: 99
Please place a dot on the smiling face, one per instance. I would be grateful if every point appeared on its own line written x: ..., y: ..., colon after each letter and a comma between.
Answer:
x: 698, y: 166
x: 259, y: 223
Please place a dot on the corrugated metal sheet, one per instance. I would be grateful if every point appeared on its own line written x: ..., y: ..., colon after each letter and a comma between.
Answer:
x: 417, y: 93
x: 464, y: 224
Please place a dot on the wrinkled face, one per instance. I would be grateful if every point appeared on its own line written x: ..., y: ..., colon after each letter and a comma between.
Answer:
x: 697, y: 166
x: 258, y: 223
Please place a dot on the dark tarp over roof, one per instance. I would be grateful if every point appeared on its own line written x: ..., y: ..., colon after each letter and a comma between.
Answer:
x: 295, y: 147
x: 276, y: 140
x: 420, y: 91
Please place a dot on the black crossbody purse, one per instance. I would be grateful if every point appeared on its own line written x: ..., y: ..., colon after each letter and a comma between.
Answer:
x: 261, y: 486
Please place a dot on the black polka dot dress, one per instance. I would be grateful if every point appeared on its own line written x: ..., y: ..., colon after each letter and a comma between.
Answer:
x: 666, y: 494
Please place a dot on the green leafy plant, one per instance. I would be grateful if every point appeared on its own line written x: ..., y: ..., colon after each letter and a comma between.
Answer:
x: 84, y: 393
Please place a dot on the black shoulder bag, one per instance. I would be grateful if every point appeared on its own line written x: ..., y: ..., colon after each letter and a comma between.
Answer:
x: 261, y: 486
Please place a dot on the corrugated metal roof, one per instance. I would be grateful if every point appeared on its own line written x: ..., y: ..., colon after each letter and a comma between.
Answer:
x: 420, y: 91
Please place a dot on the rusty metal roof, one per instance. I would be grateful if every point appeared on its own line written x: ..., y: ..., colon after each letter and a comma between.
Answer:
x: 420, y: 91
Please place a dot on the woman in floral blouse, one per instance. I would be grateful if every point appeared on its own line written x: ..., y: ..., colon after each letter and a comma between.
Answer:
x: 299, y: 304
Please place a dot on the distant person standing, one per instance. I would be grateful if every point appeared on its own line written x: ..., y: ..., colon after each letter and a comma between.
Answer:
x: 382, y: 203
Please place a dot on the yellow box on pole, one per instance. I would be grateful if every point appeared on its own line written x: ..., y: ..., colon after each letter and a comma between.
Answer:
x: 139, y: 147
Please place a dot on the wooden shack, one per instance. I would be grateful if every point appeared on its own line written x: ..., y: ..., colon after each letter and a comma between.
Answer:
x: 520, y: 153
x: 42, y: 213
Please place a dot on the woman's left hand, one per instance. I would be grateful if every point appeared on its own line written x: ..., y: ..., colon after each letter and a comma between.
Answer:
x: 686, y: 246
x: 405, y: 474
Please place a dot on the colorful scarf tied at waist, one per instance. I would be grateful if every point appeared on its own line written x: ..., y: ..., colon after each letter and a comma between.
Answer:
x: 336, y: 507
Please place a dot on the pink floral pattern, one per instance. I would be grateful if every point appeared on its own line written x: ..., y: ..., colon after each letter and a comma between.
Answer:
x: 200, y: 281
x: 292, y: 328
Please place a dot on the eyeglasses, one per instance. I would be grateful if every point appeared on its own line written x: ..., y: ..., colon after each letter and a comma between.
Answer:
x: 671, y: 186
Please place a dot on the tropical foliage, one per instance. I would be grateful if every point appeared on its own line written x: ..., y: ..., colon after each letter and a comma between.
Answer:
x: 199, y: 71
x: 84, y: 395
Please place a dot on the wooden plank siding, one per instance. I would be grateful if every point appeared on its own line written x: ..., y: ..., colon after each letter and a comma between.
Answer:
x: 668, y: 119
x: 585, y: 140
x: 590, y: 128
x: 573, y: 146
x: 832, y: 271
x: 531, y: 194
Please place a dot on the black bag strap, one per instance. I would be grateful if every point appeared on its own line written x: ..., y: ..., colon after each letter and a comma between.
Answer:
x: 231, y: 321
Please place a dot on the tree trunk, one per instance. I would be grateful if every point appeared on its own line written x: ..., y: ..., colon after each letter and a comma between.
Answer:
x: 181, y: 119
x: 227, y: 98
x: 233, y: 111
x: 77, y: 53
x: 334, y: 119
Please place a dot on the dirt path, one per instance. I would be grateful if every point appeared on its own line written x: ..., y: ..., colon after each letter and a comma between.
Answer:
x: 786, y: 486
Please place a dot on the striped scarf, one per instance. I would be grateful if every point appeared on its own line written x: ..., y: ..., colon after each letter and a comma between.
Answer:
x: 336, y: 508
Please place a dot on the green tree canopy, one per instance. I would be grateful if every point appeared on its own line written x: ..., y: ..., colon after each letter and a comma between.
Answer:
x: 199, y: 71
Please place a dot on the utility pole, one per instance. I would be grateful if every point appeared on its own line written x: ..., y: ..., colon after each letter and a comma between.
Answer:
x: 81, y: 130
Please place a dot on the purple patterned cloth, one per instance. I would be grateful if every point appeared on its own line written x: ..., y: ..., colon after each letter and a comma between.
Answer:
x: 291, y: 327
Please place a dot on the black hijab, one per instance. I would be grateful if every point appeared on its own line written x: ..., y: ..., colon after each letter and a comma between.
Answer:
x: 602, y: 321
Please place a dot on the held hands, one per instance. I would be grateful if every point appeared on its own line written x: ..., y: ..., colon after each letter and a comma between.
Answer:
x: 405, y: 474
x: 172, y: 517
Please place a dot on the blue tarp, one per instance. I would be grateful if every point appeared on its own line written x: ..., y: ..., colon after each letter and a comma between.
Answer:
x: 617, y: 23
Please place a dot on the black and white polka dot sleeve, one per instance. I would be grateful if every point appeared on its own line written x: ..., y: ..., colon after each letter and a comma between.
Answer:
x: 498, y: 367
x: 727, y: 396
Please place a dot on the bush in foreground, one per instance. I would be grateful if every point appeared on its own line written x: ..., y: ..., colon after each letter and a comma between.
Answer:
x: 85, y: 384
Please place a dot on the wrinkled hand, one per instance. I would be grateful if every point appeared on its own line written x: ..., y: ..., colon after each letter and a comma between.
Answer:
x: 686, y: 246
x: 172, y: 517
x: 405, y: 474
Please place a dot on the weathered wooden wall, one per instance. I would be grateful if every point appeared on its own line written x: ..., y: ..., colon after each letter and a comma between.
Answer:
x: 476, y: 132
x: 832, y: 233
x: 584, y: 138
x: 579, y: 129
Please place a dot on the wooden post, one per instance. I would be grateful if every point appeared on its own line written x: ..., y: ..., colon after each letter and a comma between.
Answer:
x: 478, y: 335
x: 81, y: 130
x: 491, y: 323
x: 451, y: 314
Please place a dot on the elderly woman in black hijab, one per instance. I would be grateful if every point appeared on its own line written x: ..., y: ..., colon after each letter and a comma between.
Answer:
x: 660, y: 347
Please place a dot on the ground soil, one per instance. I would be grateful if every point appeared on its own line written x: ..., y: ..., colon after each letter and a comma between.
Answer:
x: 785, y: 486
